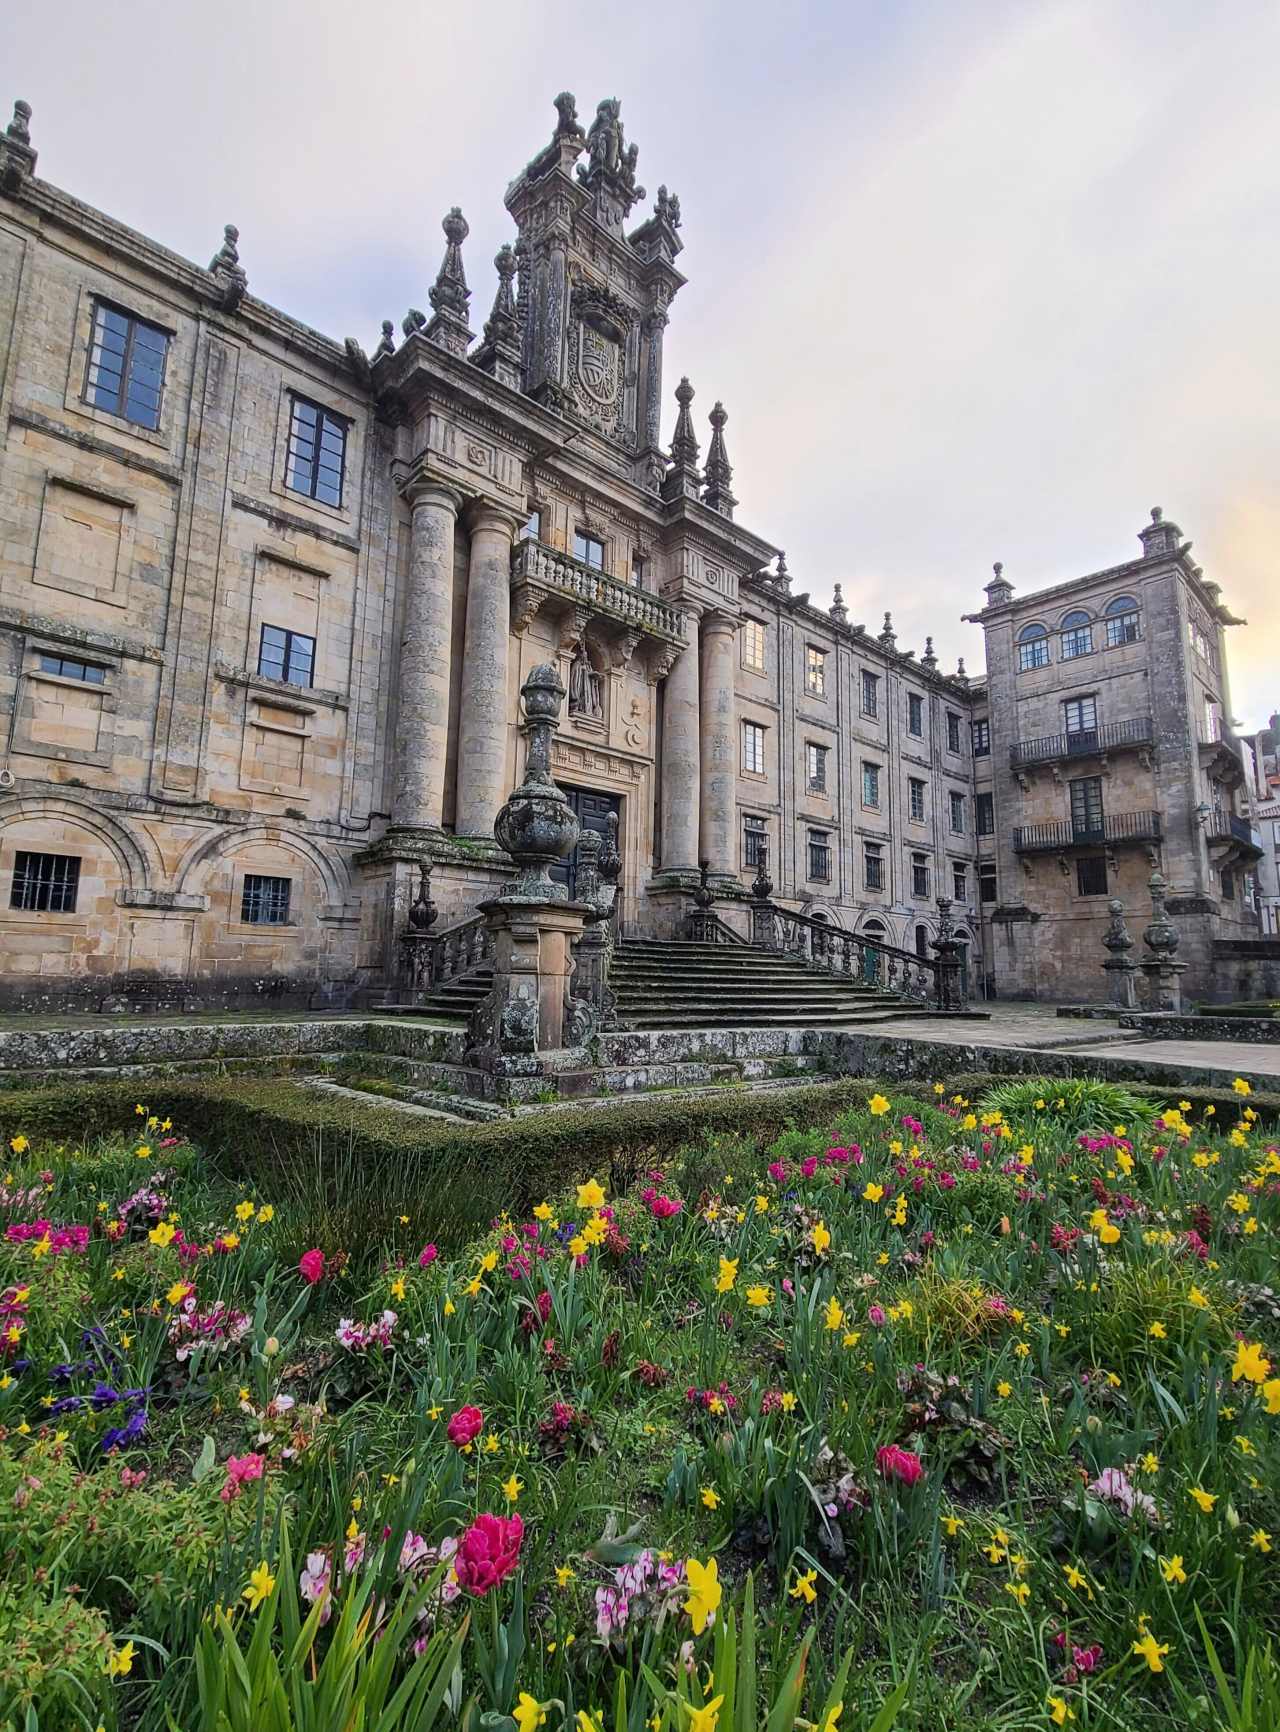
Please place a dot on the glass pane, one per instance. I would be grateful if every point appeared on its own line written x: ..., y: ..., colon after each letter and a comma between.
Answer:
x: 271, y: 656
x: 299, y: 659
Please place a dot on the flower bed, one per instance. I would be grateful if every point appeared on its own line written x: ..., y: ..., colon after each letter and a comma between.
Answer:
x: 981, y: 1392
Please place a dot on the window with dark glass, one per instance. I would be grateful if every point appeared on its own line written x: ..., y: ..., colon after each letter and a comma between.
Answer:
x: 91, y: 674
x: 873, y: 865
x: 1081, y: 716
x: 753, y: 748
x: 984, y: 807
x: 815, y: 671
x: 959, y: 883
x: 957, y: 813
x: 1077, y: 636
x: 816, y: 765
x: 915, y: 800
x: 1033, y: 647
x: 922, y: 940
x: 588, y: 550
x: 1122, y: 621
x: 286, y: 655
x: 986, y: 883
x: 754, y: 840
x: 45, y: 883
x: 870, y: 693
x: 919, y: 875
x: 126, y: 366
x: 1228, y: 884
x: 915, y: 713
x: 1091, y: 875
x: 871, y: 785
x: 953, y: 731
x: 265, y: 901
x: 1086, y: 807
x: 317, y: 452
x: 819, y: 856
x: 982, y: 739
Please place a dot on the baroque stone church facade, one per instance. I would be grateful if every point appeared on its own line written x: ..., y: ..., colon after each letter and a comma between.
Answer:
x: 267, y: 602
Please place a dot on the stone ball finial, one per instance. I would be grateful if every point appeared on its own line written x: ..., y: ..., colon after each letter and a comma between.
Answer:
x: 998, y: 568
x: 1157, y: 514
x: 684, y: 393
x: 543, y: 691
x: 456, y: 227
x: 718, y: 416
x: 505, y: 262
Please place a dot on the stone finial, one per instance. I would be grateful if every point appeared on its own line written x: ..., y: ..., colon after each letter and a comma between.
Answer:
x: 999, y: 590
x: 928, y: 659
x: 17, y: 158
x: 888, y: 637
x: 1161, y: 936
x: 449, y: 293
x: 499, y: 354
x: 1161, y: 939
x: 838, y: 611
x: 387, y: 342
x: 682, y: 480
x: 226, y: 267
x: 537, y: 826
x: 718, y: 472
x: 960, y: 673
x: 1120, y: 969
x: 783, y: 577
x: 19, y: 129
x: 1160, y: 538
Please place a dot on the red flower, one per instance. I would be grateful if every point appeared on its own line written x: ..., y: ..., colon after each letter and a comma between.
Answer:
x: 488, y: 1552
x: 900, y: 1464
x: 428, y: 1257
x: 240, y: 1469
x: 465, y: 1426
x: 311, y: 1266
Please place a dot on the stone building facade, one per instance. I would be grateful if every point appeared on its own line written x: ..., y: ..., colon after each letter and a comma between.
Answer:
x: 267, y: 602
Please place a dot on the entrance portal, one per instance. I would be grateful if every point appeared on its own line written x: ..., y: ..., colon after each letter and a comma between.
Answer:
x: 592, y: 812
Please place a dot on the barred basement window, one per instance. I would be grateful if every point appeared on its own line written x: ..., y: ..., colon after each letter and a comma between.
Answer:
x: 873, y: 863
x: 45, y: 883
x: 265, y: 901
x: 126, y: 366
x: 286, y: 655
x: 317, y: 452
x: 819, y: 856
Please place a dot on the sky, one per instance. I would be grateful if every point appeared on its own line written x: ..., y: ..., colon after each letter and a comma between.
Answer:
x: 976, y: 280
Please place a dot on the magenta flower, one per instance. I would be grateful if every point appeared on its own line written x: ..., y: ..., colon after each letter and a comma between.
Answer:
x: 488, y: 1552
x: 903, y: 1465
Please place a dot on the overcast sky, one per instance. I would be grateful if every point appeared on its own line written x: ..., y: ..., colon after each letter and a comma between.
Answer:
x: 975, y: 279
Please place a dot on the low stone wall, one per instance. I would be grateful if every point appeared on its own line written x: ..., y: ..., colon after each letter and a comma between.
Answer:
x: 1247, y: 1030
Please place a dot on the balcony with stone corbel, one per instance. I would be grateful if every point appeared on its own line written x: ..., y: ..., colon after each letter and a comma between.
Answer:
x: 626, y: 619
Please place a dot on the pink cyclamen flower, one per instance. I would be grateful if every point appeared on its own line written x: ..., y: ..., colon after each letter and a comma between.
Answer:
x: 428, y: 1257
x: 488, y: 1552
x: 904, y: 1465
x: 315, y: 1581
x: 240, y: 1470
x: 311, y: 1266
x: 465, y: 1426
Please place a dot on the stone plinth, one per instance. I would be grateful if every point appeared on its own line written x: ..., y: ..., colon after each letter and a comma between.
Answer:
x: 532, y: 968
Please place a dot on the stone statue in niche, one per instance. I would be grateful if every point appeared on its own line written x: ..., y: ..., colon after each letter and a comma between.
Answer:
x: 586, y: 693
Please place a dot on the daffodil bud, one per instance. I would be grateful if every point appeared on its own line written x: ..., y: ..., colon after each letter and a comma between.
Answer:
x: 1233, y: 1518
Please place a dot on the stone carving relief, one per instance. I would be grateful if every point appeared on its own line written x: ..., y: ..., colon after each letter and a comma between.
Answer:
x: 599, y: 329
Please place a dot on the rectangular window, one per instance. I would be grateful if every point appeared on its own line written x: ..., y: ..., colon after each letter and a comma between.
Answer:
x: 985, y: 813
x: 982, y: 739
x: 1201, y: 642
x: 1122, y: 628
x: 286, y: 655
x: 588, y: 550
x: 1086, y: 808
x: 819, y: 857
x: 1228, y: 884
x: 815, y: 671
x: 873, y: 865
x: 531, y: 529
x: 957, y: 813
x: 871, y: 785
x: 752, y: 644
x: 72, y: 670
x: 265, y: 901
x: 317, y: 452
x: 915, y: 800
x: 1077, y: 642
x: 1033, y: 654
x: 959, y: 883
x: 986, y: 883
x: 953, y: 731
x: 126, y: 366
x: 753, y: 749
x: 45, y: 883
x: 1091, y: 875
x: 915, y: 713
x: 1081, y: 715
x: 754, y: 840
x: 816, y: 766
x: 870, y: 694
x: 919, y: 875
x: 637, y: 571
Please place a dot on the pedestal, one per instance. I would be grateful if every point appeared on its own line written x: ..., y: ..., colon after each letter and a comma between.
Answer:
x: 532, y: 968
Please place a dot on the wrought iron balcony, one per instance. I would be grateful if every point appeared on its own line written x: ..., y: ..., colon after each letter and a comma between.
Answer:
x: 539, y: 573
x: 1220, y: 746
x: 1238, y: 833
x: 1115, y: 827
x: 1111, y: 737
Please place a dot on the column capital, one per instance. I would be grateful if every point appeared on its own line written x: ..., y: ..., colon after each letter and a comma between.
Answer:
x: 486, y: 514
x: 715, y: 619
x: 419, y: 486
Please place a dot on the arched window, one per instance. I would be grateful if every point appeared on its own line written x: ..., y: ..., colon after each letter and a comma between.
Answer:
x: 1122, y: 621
x: 922, y: 940
x: 1077, y: 635
x: 1033, y: 647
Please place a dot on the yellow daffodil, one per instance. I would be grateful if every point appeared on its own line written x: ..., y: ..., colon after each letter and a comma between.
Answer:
x: 1020, y: 1591
x: 1004, y: 1390
x: 162, y: 1234
x: 261, y: 1582
x: 578, y: 1246
x: 873, y: 1193
x: 542, y: 1212
x: 759, y: 1297
x: 804, y: 1588
x: 878, y: 1105
x: 821, y: 1239
x: 590, y: 1195
x: 728, y: 1274
x: 1150, y: 1650
x: 1158, y: 1330
x: 1172, y: 1571
x: 564, y: 1575
x: 1059, y: 1713
x: 1250, y: 1363
x: 120, y: 1661
x: 512, y: 1488
x: 528, y: 1713
x: 1261, y: 1541
x: 704, y: 1719
x: 1241, y: 1086
x: 834, y: 1314
x: 705, y: 1592
x: 710, y: 1497
x: 1205, y: 1499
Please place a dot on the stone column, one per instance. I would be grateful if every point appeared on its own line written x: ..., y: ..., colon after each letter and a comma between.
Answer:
x: 422, y: 714
x: 681, y: 778
x: 482, y: 726
x: 718, y: 745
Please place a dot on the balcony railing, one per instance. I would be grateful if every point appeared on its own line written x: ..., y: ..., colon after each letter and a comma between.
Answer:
x: 1225, y: 826
x: 1114, y: 827
x: 547, y: 569
x: 1112, y: 736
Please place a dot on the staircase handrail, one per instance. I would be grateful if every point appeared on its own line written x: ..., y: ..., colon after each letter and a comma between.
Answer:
x: 702, y: 926
x: 819, y: 944
x: 447, y: 953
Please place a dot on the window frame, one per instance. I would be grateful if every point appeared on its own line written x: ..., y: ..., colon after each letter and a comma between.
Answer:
x: 1087, y: 800
x: 984, y: 813
x: 917, y: 804
x: 101, y: 304
x: 815, y: 671
x: 61, y: 663
x: 1084, y: 870
x: 960, y: 883
x: 589, y: 541
x: 983, y: 750
x: 531, y: 528
x: 1123, y: 621
x: 325, y: 415
x: 1078, y: 704
x: 955, y: 740
x: 251, y: 898
x: 871, y: 783
x: 988, y: 877
x: 815, y: 766
x: 44, y: 884
x: 752, y: 632
x: 869, y: 688
x: 1075, y: 635
x: 818, y: 848
x: 920, y: 876
x: 873, y: 855
x: 915, y: 715
x: 1033, y: 648
x: 753, y: 731
x: 754, y: 831
x: 956, y: 803
x: 289, y: 638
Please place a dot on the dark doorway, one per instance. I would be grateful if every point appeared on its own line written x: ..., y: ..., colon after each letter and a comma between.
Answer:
x: 592, y: 812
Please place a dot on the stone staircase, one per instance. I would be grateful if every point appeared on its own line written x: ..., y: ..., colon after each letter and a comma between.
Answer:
x: 664, y: 984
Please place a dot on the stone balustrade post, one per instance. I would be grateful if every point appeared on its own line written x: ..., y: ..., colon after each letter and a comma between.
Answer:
x: 482, y: 723
x: 422, y: 712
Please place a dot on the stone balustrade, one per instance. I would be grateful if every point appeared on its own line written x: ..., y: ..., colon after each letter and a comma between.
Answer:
x: 548, y: 572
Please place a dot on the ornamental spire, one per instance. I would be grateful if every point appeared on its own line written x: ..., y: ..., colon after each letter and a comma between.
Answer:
x: 719, y: 473
x: 499, y: 354
x: 449, y: 293
x: 682, y: 478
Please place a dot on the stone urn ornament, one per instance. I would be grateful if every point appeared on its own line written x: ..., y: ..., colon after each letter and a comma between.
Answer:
x: 537, y: 826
